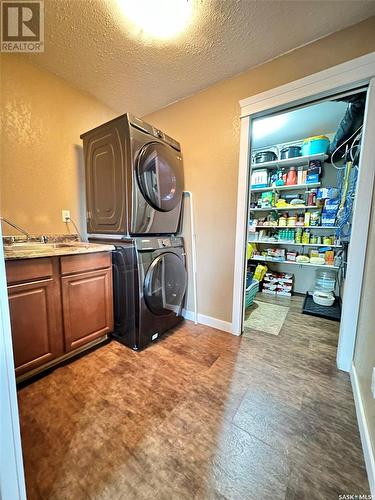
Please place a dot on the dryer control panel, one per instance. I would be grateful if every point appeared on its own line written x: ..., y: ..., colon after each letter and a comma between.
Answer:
x: 158, y: 242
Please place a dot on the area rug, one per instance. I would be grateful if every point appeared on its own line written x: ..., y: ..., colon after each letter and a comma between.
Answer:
x: 264, y: 317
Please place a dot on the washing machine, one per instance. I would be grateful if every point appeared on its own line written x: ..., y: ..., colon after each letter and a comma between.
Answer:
x: 149, y: 287
x: 134, y: 179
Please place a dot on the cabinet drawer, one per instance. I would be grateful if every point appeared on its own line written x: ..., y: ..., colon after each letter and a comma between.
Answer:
x: 85, y: 262
x: 19, y: 271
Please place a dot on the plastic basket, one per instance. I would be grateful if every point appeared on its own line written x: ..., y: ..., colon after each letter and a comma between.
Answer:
x: 251, y: 291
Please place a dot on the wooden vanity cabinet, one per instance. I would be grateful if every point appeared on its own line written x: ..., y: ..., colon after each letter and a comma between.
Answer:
x: 58, y: 305
x: 87, y: 300
x: 34, y: 313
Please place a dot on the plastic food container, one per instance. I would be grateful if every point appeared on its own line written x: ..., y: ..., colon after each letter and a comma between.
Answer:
x: 325, y: 281
x: 315, y: 145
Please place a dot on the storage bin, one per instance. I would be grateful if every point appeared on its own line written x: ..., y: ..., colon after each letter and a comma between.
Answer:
x: 323, y: 298
x: 249, y: 278
x: 325, y: 281
x: 251, y: 291
x: 315, y: 145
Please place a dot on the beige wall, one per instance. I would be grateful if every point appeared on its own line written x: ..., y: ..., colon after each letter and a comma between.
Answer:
x: 42, y: 167
x: 207, y: 125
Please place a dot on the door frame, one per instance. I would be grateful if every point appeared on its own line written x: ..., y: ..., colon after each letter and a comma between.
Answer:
x: 343, y: 77
x: 12, y: 482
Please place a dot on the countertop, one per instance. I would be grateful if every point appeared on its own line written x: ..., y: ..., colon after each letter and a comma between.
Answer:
x: 34, y: 250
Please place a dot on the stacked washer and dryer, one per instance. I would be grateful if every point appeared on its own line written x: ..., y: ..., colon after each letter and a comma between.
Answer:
x: 134, y: 190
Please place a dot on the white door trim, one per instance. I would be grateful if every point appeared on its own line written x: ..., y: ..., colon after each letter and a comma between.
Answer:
x: 342, y: 77
x: 358, y: 240
x: 364, y: 431
x: 12, y: 483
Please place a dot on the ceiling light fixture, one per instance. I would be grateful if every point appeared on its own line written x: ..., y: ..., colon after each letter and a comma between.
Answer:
x: 161, y: 19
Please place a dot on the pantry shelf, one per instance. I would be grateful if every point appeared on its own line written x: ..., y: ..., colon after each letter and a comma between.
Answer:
x: 290, y: 162
x: 294, y: 187
x: 263, y: 259
x: 285, y: 209
x: 295, y: 227
x: 292, y: 243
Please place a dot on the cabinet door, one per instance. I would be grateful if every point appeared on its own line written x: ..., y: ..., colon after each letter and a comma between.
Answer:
x: 87, y: 307
x: 105, y: 180
x: 34, y: 314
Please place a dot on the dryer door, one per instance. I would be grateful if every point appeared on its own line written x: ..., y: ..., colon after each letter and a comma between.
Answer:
x: 165, y: 284
x: 160, y: 177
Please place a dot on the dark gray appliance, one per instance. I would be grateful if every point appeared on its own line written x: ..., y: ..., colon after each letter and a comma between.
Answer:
x: 149, y: 284
x: 134, y: 179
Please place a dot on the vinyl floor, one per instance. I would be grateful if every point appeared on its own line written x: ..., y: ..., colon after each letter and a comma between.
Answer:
x: 200, y: 414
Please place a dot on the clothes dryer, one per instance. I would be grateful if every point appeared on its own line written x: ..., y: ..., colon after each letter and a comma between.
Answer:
x: 134, y: 179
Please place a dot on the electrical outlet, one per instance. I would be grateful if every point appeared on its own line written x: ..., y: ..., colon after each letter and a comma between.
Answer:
x: 65, y: 214
x: 373, y: 383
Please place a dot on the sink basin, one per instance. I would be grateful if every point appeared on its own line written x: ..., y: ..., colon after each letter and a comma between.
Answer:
x: 40, y: 247
x: 28, y: 246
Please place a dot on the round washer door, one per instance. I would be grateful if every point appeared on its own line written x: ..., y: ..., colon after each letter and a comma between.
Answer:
x: 165, y: 284
x: 159, y: 171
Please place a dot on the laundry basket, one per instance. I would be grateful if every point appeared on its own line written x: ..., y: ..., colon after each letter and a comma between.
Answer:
x: 251, y: 291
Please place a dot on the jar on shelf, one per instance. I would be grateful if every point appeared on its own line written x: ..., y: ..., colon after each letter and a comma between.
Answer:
x: 283, y: 220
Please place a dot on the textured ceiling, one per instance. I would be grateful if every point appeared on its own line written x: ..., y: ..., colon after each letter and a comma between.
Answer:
x: 90, y: 44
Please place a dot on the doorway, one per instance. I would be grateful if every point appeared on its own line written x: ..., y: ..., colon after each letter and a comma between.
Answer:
x: 303, y: 181
x: 307, y: 93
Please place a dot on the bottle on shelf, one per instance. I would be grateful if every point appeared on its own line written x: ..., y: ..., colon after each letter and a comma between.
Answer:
x: 300, y: 175
x: 306, y: 237
x: 291, y: 178
x: 307, y: 219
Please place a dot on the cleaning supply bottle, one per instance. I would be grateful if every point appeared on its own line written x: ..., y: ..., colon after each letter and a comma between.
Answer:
x: 306, y: 237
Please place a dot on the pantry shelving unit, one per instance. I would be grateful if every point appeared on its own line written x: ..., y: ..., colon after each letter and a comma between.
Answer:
x: 291, y: 187
x: 296, y: 227
x: 303, y: 271
x: 292, y: 243
x: 290, y: 162
x: 308, y: 264
x: 284, y: 209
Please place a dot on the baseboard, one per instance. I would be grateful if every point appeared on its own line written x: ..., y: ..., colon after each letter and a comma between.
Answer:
x: 209, y: 321
x: 368, y: 452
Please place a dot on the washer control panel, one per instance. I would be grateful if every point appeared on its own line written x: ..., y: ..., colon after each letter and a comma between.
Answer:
x: 158, y: 242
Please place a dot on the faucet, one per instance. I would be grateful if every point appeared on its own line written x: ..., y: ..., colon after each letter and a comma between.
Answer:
x: 7, y: 221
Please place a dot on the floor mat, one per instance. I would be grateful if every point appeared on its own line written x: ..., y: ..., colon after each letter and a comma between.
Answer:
x: 264, y: 317
x: 331, y: 312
